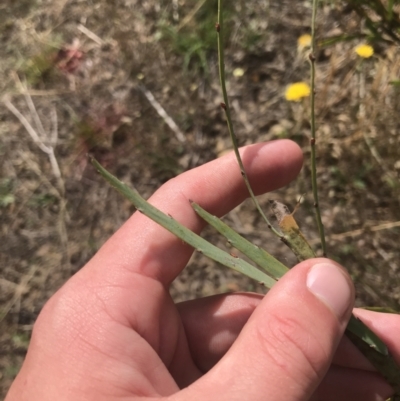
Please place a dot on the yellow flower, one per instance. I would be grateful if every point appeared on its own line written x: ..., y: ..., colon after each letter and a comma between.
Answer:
x: 364, y: 51
x: 304, y: 41
x: 295, y: 92
x: 238, y: 72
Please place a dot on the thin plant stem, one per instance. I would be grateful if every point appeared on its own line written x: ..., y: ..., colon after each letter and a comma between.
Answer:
x: 313, y: 132
x: 226, y: 108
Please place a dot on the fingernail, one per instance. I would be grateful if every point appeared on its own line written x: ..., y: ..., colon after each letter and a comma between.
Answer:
x: 328, y: 283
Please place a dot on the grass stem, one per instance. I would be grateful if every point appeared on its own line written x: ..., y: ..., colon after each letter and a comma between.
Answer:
x: 313, y: 132
x: 226, y: 108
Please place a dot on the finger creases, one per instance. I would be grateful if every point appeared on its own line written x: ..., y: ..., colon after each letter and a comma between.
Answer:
x: 284, y: 350
x: 218, y: 187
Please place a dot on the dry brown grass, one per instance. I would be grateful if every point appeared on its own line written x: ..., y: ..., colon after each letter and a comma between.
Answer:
x: 86, y: 63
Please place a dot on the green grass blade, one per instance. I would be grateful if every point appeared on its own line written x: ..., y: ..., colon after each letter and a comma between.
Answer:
x: 380, y: 358
x: 183, y: 232
x: 262, y: 258
x: 357, y: 327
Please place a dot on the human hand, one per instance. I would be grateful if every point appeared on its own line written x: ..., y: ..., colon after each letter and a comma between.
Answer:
x: 112, y: 332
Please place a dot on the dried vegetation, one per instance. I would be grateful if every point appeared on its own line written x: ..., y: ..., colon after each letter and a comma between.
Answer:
x: 105, y: 76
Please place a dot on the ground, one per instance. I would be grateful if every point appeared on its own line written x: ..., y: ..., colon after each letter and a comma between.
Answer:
x: 89, y: 76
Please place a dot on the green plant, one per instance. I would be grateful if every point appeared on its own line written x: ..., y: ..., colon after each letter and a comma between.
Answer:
x: 41, y: 64
x: 6, y: 192
x: 381, y: 19
x: 269, y: 269
x: 193, y: 38
x: 21, y: 339
x: 43, y: 200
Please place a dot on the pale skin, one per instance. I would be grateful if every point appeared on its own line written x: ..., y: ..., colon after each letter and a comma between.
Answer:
x: 112, y: 332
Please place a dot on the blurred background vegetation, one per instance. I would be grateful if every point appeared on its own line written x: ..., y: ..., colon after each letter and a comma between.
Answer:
x: 135, y: 83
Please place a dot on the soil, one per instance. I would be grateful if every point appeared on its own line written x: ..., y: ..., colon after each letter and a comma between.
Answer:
x: 84, y: 69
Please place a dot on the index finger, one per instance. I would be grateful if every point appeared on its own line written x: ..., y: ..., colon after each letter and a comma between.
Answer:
x: 143, y: 247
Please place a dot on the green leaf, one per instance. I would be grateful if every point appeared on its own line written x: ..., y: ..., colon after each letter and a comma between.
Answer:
x: 381, y: 359
x: 357, y: 327
x: 258, y: 255
x: 182, y: 232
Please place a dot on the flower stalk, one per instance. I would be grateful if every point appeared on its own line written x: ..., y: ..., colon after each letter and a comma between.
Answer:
x: 313, y: 132
x: 225, y: 106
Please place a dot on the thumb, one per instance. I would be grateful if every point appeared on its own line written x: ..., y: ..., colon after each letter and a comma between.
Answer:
x: 286, y: 347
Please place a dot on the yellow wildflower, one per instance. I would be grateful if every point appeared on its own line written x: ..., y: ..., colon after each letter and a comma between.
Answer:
x: 364, y: 51
x: 304, y: 41
x: 295, y: 92
x: 238, y: 72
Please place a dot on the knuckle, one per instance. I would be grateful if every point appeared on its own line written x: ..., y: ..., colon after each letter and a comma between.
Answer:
x: 293, y: 347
